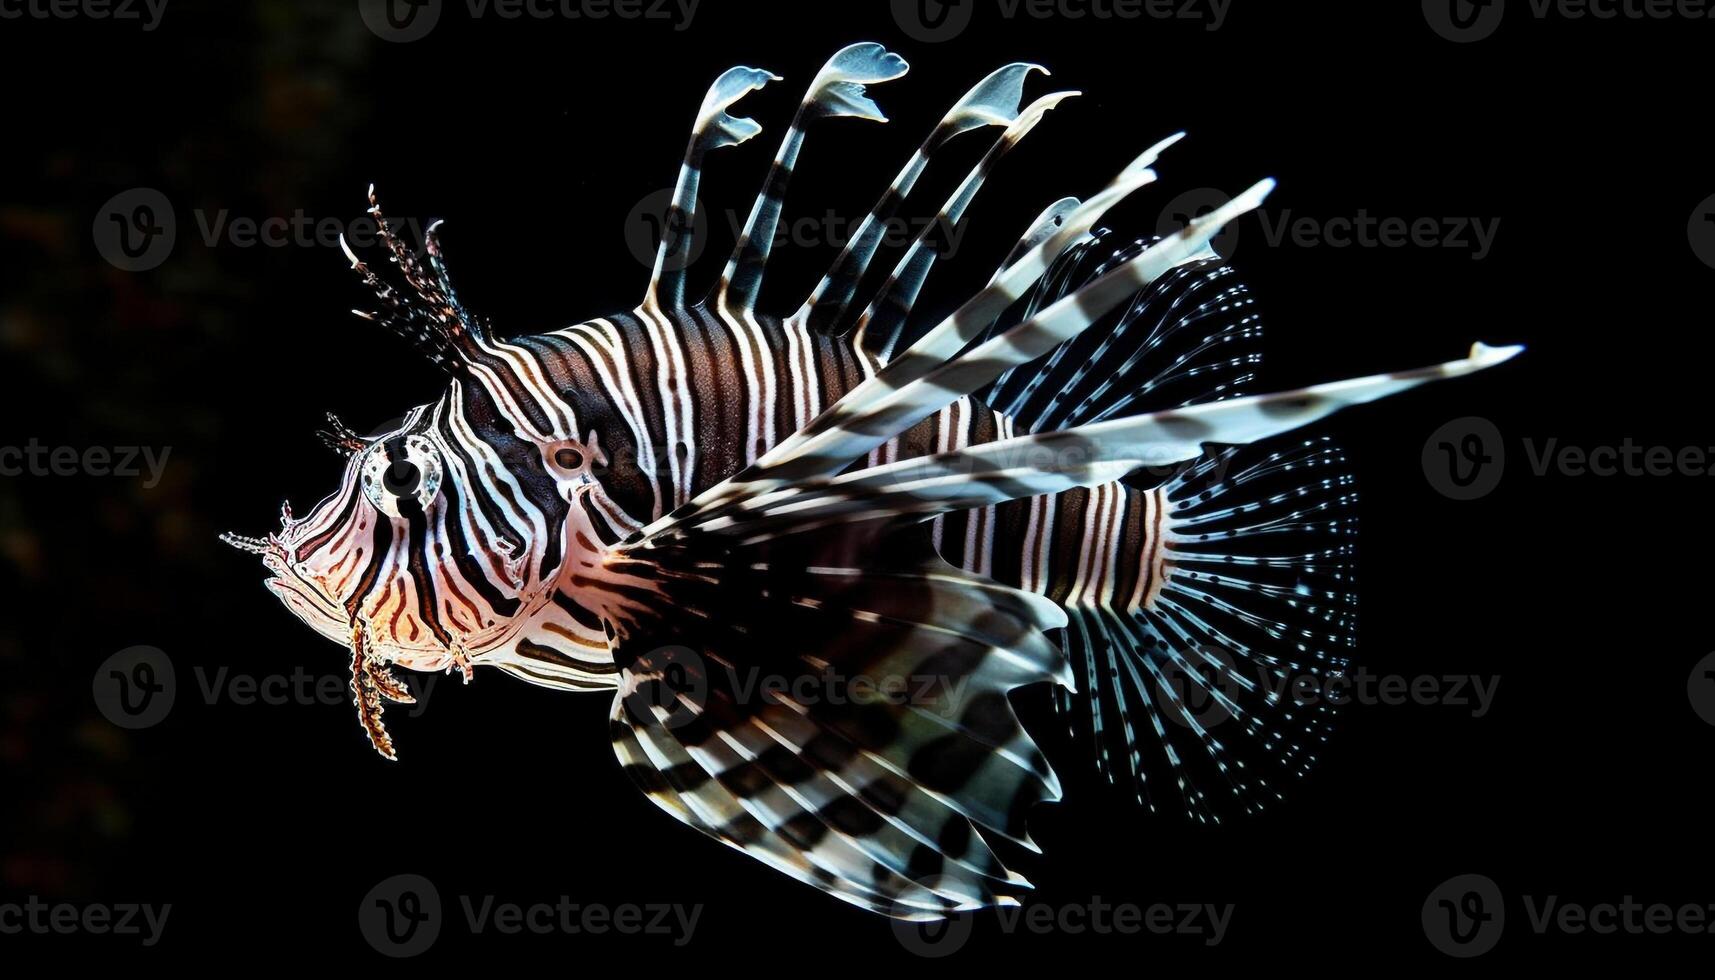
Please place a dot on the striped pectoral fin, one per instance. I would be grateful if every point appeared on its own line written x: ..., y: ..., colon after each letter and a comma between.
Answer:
x: 837, y: 90
x: 715, y: 128
x: 851, y: 729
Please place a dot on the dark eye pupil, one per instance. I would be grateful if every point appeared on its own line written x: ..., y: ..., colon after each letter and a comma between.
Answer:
x: 569, y: 459
x: 401, y: 479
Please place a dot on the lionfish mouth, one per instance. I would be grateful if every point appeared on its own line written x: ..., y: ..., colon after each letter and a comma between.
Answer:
x: 273, y: 550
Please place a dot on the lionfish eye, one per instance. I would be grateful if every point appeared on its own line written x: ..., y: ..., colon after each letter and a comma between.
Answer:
x: 398, y: 470
x: 569, y: 459
x: 401, y: 478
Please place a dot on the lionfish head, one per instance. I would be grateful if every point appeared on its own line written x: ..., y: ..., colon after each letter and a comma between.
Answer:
x: 448, y: 526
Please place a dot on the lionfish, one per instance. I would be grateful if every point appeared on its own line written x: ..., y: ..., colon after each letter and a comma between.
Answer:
x: 1051, y: 485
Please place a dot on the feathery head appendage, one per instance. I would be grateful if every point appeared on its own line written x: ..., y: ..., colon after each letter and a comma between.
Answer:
x: 428, y: 316
x: 342, y: 438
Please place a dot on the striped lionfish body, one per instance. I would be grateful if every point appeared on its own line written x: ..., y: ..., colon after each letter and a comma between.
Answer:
x: 665, y: 502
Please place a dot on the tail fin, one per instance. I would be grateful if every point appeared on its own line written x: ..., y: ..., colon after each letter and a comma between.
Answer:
x: 1210, y: 682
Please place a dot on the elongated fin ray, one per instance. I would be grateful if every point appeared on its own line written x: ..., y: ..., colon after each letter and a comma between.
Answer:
x: 1193, y: 335
x: 943, y: 341
x: 714, y: 128
x: 855, y: 425
x: 994, y: 101
x: 1051, y: 462
x: 837, y: 90
x: 879, y: 328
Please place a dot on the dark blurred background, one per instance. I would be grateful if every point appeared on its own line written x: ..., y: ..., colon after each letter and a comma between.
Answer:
x: 536, y: 138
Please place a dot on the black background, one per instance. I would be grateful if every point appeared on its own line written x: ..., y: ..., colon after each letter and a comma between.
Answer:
x: 264, y: 826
